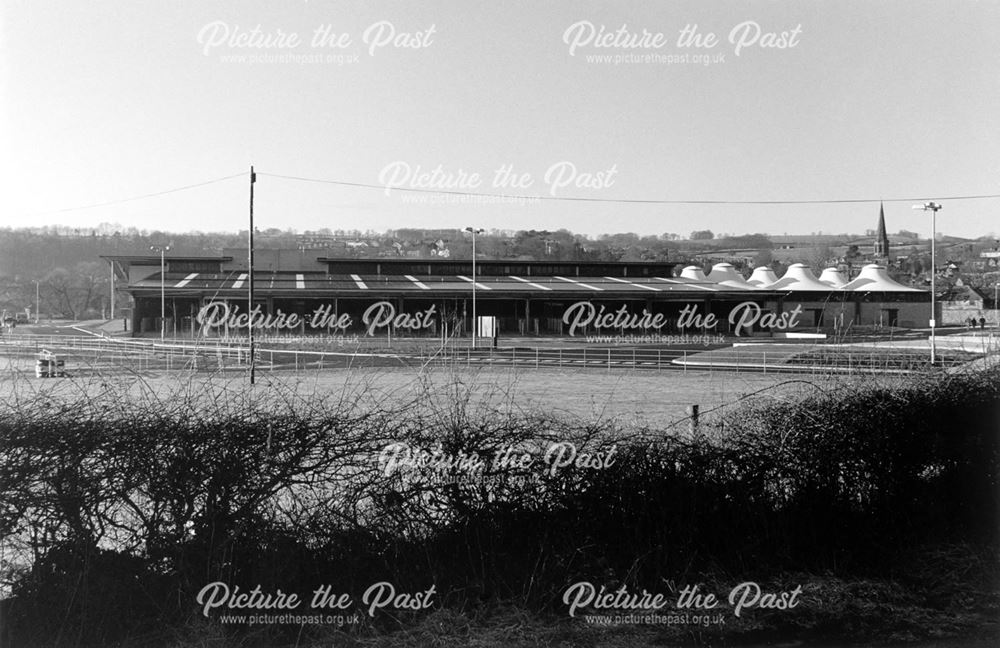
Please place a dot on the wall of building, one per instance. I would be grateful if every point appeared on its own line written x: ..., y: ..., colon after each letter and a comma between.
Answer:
x: 958, y: 315
x: 837, y: 315
x: 904, y: 315
x: 521, y: 316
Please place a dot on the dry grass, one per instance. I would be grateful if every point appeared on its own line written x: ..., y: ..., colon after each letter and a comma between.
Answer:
x: 630, y: 399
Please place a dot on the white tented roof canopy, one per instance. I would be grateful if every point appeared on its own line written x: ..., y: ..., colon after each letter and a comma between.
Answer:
x: 762, y: 277
x: 725, y: 274
x: 693, y: 272
x: 833, y: 277
x: 799, y: 277
x: 875, y: 278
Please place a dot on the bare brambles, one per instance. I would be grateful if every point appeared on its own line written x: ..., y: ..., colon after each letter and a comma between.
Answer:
x: 118, y: 508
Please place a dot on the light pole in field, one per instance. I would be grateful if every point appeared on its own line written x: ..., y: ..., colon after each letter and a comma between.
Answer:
x: 162, y: 249
x: 475, y: 324
x: 933, y: 208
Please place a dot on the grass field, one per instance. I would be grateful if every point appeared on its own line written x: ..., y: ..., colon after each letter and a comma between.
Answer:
x: 631, y: 399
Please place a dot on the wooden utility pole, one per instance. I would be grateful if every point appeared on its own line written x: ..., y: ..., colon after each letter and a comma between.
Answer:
x: 253, y: 178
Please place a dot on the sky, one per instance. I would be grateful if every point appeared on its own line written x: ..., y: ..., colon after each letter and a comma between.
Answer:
x: 791, y: 101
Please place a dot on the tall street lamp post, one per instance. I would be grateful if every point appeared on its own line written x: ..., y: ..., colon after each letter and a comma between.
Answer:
x: 933, y: 208
x: 475, y: 322
x: 162, y: 249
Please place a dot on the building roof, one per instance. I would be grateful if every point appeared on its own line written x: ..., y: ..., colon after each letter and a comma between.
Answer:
x: 875, y: 278
x: 433, y: 278
x: 833, y: 277
x: 725, y: 274
x: 693, y: 273
x: 312, y: 285
x: 798, y: 276
x: 762, y: 276
x: 964, y: 293
x: 154, y: 259
x: 360, y: 286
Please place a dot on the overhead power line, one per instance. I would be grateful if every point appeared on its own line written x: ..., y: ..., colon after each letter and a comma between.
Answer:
x: 650, y: 201
x: 149, y: 195
x: 643, y: 201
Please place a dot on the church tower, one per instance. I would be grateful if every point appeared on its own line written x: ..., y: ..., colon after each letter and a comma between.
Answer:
x: 881, y: 238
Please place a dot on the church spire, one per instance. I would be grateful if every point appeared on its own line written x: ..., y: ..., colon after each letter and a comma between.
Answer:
x: 881, y: 237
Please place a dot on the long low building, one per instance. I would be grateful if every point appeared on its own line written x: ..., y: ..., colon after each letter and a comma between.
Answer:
x: 303, y: 294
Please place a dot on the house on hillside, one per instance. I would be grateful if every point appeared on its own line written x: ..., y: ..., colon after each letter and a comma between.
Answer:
x: 961, y: 302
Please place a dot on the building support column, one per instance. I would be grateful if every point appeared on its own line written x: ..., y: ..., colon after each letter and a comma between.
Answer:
x: 779, y: 309
x: 136, y: 315
x: 399, y: 311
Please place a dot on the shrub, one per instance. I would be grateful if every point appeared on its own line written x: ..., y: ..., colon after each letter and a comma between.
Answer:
x: 120, y: 506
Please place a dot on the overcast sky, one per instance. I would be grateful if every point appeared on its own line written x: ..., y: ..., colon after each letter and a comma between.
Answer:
x: 865, y: 100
